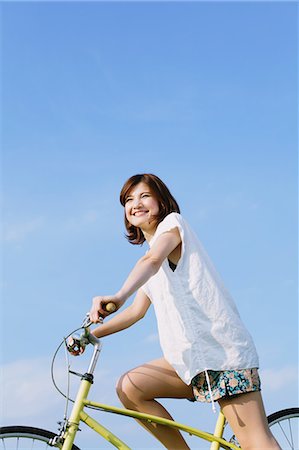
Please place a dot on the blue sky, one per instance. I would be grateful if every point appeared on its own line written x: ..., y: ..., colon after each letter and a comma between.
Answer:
x: 204, y: 95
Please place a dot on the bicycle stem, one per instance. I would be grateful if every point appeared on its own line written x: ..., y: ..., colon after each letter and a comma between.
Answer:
x: 95, y: 356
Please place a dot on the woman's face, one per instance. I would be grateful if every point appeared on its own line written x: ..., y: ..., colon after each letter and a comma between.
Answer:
x: 141, y: 207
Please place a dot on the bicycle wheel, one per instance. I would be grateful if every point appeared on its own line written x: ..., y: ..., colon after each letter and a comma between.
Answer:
x: 26, y: 438
x: 284, y: 426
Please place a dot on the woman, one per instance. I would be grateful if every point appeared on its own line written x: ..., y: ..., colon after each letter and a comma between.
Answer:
x: 208, y: 353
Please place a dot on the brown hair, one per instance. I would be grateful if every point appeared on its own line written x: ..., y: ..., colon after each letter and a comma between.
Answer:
x: 167, y: 202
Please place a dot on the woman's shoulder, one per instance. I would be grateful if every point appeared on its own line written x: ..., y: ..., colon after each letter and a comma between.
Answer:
x: 173, y: 216
x: 176, y: 220
x: 172, y: 219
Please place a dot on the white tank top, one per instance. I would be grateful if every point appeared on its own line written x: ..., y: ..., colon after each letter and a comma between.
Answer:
x: 198, y: 322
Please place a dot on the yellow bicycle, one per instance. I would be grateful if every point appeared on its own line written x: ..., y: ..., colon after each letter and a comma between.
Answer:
x: 284, y: 423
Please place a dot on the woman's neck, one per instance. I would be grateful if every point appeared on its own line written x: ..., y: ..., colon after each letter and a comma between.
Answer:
x: 148, y: 232
x: 148, y: 235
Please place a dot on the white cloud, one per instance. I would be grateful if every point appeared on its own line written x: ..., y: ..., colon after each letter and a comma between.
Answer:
x: 27, y: 390
x: 19, y: 231
x: 154, y: 337
x: 16, y: 232
x: 274, y: 380
x: 86, y: 219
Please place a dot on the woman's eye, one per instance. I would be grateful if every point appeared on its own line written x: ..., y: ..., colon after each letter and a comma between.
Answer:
x: 145, y: 195
x: 128, y: 200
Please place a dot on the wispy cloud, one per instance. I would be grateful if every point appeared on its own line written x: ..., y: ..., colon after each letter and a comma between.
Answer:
x: 27, y: 390
x: 17, y: 232
x: 86, y: 218
x: 154, y: 337
x: 275, y: 380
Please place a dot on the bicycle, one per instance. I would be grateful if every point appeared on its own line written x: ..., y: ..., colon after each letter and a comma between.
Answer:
x: 284, y: 423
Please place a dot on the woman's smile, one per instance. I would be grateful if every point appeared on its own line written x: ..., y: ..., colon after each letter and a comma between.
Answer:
x: 140, y: 213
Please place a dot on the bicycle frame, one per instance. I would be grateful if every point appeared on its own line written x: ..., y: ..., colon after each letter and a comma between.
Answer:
x: 78, y: 414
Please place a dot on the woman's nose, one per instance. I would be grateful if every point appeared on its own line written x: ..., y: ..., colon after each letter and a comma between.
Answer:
x: 136, y: 202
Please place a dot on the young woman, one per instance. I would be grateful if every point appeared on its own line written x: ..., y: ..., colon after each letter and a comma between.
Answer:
x: 208, y: 353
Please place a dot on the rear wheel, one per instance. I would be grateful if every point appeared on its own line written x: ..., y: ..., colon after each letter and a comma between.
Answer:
x: 25, y: 438
x: 284, y: 426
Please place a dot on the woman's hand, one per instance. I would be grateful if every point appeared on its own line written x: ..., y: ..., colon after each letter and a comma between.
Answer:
x: 74, y: 346
x: 98, y: 309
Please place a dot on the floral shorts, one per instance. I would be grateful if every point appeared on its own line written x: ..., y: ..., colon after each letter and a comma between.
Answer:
x: 224, y: 384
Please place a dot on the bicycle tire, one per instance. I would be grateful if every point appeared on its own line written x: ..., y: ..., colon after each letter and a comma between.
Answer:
x: 285, y: 413
x: 284, y: 425
x: 20, y: 435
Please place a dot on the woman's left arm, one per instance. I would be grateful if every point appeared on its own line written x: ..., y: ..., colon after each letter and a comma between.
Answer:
x: 145, y: 268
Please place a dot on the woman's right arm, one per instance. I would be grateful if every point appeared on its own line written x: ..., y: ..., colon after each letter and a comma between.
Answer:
x: 126, y: 318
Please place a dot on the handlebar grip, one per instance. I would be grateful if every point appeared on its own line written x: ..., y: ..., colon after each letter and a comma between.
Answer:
x: 110, y: 307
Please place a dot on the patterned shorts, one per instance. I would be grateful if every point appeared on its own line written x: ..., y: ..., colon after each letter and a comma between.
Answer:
x: 224, y: 384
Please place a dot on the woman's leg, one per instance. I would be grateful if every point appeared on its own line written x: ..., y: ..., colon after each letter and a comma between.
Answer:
x: 138, y: 389
x: 246, y: 415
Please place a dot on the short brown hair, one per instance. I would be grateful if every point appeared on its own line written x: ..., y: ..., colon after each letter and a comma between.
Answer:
x: 167, y: 202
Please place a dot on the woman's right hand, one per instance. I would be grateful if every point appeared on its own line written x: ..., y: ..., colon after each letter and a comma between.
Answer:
x: 98, y: 309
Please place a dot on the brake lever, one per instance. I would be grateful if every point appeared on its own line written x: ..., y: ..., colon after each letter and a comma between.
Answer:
x: 87, y: 322
x: 110, y: 307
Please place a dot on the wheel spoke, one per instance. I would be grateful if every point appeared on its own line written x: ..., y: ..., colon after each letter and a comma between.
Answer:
x: 284, y: 426
x: 25, y: 438
x: 291, y: 433
x: 19, y: 443
x: 285, y: 435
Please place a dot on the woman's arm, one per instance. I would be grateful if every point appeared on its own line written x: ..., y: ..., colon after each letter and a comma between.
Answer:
x: 126, y: 318
x: 146, y: 267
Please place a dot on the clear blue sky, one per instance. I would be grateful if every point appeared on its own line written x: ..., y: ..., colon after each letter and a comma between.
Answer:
x: 203, y: 94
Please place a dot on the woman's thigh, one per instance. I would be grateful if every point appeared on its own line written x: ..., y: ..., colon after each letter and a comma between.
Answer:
x: 155, y: 379
x: 246, y: 416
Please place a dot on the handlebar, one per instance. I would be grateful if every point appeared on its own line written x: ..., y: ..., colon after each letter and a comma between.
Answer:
x: 79, y: 342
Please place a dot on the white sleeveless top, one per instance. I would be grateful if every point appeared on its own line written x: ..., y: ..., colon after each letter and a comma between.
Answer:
x: 198, y: 322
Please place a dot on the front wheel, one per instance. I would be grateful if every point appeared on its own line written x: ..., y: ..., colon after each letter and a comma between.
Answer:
x: 284, y: 426
x: 23, y: 438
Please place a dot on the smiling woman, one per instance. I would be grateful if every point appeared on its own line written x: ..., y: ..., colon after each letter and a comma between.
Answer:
x: 207, y: 101
x: 203, y: 339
